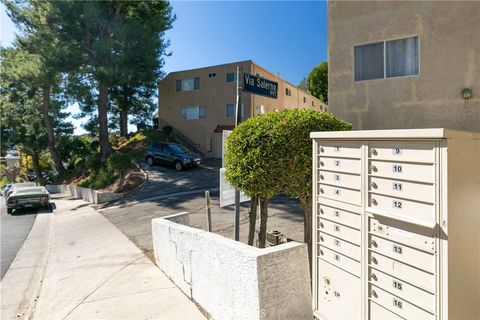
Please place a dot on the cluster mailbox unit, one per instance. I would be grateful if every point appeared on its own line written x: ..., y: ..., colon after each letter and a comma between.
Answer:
x: 396, y: 224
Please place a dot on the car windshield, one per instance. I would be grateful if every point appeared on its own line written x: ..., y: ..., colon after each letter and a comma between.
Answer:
x: 178, y: 149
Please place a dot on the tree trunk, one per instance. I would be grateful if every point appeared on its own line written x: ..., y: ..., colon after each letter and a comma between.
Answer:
x: 57, y: 159
x: 105, y: 149
x: 306, y: 205
x: 124, y: 113
x: 36, y: 167
x: 253, y: 218
x: 262, y: 237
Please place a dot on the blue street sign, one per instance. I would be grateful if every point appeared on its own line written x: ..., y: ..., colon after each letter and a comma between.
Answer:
x: 260, y: 86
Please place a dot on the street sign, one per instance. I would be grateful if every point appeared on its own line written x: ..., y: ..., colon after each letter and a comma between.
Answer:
x: 260, y: 86
x: 227, y: 191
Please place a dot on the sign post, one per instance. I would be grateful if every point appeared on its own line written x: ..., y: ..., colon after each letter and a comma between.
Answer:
x: 238, y: 119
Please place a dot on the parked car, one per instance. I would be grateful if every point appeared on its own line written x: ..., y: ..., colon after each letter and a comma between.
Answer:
x: 18, y: 186
x: 171, y: 154
x: 28, y: 197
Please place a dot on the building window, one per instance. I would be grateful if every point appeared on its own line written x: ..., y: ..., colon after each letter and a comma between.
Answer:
x: 304, y: 99
x: 230, y: 110
x: 212, y: 75
x: 369, y: 62
x: 231, y: 77
x: 401, y: 57
x: 188, y: 84
x: 193, y: 113
x: 387, y: 59
x: 288, y: 92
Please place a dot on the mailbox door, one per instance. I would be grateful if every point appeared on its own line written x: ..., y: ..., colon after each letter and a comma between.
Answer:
x: 339, y: 295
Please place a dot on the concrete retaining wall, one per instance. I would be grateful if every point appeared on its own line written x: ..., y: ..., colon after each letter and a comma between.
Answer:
x: 90, y: 195
x: 232, y: 280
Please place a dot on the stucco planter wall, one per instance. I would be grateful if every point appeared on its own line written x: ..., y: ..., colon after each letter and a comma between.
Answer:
x: 87, y: 194
x: 229, y: 279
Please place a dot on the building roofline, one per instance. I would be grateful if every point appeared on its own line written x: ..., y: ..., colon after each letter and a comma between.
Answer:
x: 215, y: 65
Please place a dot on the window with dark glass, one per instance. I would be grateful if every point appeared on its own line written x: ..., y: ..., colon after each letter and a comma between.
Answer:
x: 369, y: 62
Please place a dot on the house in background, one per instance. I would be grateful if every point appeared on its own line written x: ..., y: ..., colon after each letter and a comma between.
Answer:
x: 404, y: 64
x: 200, y: 103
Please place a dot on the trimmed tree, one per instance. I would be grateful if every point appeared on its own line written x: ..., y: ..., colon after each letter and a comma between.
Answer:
x: 272, y: 153
x: 253, y: 150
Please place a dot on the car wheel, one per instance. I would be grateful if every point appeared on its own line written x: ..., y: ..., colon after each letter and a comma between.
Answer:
x: 9, y: 210
x: 178, y: 166
x: 150, y: 161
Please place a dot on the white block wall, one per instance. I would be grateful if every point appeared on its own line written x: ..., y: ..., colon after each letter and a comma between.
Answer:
x: 232, y: 280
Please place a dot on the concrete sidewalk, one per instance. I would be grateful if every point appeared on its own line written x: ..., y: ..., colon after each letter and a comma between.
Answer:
x: 76, y: 265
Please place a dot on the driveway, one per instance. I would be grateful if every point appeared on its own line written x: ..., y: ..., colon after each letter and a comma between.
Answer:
x: 14, y: 231
x: 168, y: 192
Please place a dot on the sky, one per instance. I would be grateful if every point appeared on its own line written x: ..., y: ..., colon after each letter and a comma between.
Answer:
x: 287, y: 38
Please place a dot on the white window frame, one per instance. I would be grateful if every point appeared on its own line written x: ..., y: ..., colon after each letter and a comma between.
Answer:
x: 385, y: 58
x: 198, y: 112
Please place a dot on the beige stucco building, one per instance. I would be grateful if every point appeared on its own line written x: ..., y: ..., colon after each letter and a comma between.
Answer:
x: 404, y: 64
x: 200, y: 103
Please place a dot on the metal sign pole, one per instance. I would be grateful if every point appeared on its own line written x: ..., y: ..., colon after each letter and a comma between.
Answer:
x: 238, y: 119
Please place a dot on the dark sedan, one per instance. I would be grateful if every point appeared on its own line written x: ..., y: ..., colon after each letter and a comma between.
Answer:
x: 171, y: 154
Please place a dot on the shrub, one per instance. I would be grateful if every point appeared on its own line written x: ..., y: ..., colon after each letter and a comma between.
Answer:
x: 120, y: 163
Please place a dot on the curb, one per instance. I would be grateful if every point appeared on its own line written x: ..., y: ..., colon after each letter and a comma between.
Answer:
x: 22, y: 283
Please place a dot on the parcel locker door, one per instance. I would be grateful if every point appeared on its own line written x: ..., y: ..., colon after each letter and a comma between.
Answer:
x: 339, y: 293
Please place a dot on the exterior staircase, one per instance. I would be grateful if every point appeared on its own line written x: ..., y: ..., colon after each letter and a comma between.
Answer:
x: 180, y: 137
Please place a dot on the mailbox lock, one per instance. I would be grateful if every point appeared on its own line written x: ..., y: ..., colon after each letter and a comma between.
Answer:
x: 322, y: 150
x: 380, y: 228
x: 321, y: 211
x: 374, y: 185
x: 374, y: 260
x: 321, y: 177
x: 373, y: 168
x: 374, y: 152
x: 374, y: 202
x: 321, y: 239
x: 321, y: 225
x: 321, y: 190
x: 327, y: 281
x: 373, y: 276
x: 374, y: 294
x: 321, y: 252
x: 373, y: 243
x: 321, y: 163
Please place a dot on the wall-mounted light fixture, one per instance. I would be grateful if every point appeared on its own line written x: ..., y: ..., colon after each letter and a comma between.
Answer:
x: 466, y: 94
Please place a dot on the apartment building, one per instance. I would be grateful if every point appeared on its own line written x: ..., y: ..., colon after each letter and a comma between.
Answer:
x: 405, y: 64
x: 200, y: 103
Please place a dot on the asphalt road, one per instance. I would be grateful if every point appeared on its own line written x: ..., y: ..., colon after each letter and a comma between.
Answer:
x: 168, y: 192
x: 14, y: 231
